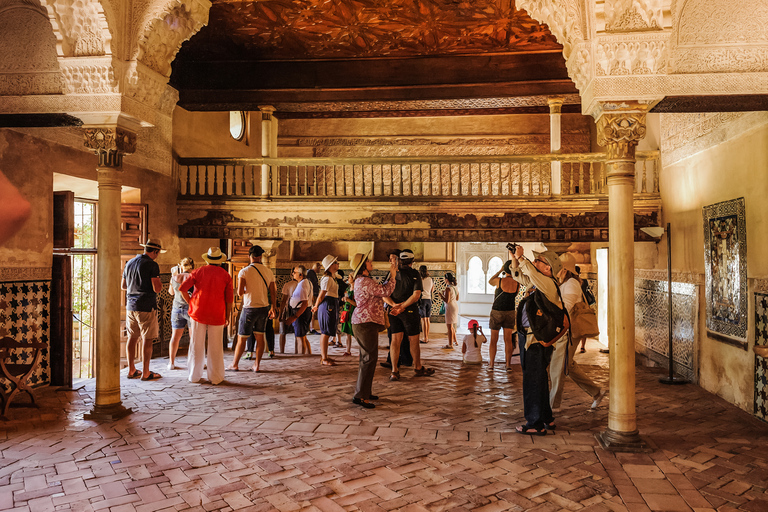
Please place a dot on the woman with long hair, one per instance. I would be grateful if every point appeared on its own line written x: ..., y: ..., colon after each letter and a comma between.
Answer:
x: 179, y: 310
x: 451, y: 299
x: 327, y: 307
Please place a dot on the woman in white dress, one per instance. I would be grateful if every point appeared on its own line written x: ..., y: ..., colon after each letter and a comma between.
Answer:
x: 451, y: 299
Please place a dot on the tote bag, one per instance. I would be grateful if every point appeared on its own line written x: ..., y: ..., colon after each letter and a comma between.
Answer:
x: 583, y: 321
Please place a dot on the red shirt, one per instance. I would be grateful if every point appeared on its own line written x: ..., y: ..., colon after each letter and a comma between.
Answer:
x: 213, y: 291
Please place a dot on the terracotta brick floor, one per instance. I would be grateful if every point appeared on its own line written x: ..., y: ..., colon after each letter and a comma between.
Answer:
x: 290, y: 439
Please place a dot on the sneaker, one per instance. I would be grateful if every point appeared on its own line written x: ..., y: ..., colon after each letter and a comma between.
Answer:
x: 599, y: 398
x: 271, y: 354
x: 248, y: 355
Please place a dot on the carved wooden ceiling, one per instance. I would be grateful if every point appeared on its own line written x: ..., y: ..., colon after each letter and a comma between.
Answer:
x: 351, y: 52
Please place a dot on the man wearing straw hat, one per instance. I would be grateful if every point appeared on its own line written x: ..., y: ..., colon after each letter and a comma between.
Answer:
x: 141, y: 280
x: 209, y: 310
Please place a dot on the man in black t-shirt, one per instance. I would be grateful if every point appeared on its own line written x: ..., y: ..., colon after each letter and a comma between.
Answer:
x: 404, y: 319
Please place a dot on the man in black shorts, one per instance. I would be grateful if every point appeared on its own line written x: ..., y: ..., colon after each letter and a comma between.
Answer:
x: 404, y: 319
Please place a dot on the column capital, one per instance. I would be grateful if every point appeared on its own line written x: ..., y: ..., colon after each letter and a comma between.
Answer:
x: 110, y: 143
x: 555, y: 104
x: 620, y: 133
x: 266, y: 112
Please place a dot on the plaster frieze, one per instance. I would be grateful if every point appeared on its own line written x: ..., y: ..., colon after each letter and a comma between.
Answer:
x: 689, y: 277
x: 445, y: 104
x: 566, y: 19
x: 684, y: 135
x: 164, y: 26
x: 636, y: 54
x: 80, y: 26
x: 10, y: 274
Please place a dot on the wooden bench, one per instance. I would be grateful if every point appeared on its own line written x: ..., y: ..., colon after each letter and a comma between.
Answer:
x: 17, y: 374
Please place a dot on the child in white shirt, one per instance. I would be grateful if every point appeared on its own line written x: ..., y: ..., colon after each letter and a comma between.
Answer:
x: 472, y: 343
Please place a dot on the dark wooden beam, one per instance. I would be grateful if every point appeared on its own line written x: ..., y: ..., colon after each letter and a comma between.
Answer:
x: 691, y: 104
x: 38, y: 120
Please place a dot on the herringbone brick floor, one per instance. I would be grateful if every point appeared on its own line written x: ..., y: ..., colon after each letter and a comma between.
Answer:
x: 290, y: 439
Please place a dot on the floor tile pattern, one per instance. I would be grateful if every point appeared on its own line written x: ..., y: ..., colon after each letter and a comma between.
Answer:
x: 289, y: 439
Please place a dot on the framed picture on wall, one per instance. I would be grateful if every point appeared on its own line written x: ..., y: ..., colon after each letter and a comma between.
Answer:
x: 725, y: 257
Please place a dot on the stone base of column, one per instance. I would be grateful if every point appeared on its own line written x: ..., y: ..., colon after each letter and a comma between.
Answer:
x: 622, y: 441
x: 111, y: 412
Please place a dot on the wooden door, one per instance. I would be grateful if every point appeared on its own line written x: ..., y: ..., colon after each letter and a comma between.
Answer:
x: 61, y: 289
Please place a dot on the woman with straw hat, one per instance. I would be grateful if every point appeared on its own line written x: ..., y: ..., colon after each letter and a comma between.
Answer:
x: 327, y: 307
x: 368, y: 321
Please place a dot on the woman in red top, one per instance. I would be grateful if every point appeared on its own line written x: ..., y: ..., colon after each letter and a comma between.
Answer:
x: 209, y: 308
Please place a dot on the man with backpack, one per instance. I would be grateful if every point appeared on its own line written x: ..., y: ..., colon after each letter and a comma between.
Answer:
x: 542, y: 317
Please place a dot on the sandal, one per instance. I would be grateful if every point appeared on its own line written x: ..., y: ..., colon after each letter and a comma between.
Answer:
x: 135, y: 374
x: 550, y: 426
x: 424, y: 372
x: 346, y: 354
x: 526, y: 430
x: 152, y: 376
x: 394, y: 376
x: 448, y: 347
x: 328, y: 362
x: 582, y: 350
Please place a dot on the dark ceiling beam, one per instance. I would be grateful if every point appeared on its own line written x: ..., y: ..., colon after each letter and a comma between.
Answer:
x: 38, y: 120
x: 693, y: 104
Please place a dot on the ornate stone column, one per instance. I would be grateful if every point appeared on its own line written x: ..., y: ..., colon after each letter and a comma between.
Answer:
x: 555, y: 141
x: 268, y: 144
x: 620, y: 132
x: 110, y: 144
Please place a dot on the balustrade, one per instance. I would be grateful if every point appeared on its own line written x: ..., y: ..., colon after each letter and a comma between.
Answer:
x: 406, y: 177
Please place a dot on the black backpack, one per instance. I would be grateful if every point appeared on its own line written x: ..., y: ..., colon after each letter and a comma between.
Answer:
x: 547, y: 321
x: 587, y: 292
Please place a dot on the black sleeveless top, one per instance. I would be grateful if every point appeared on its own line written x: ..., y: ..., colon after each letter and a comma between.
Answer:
x: 503, y: 301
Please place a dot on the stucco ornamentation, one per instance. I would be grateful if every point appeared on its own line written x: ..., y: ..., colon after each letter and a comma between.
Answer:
x: 80, y: 26
x: 635, y: 15
x: 8, y: 274
x: 88, y: 75
x: 565, y: 18
x: 166, y: 25
x: 718, y: 36
x: 27, y: 68
x: 631, y: 56
x: 620, y: 133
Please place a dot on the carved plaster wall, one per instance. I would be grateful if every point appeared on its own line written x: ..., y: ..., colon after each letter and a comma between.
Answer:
x: 684, y: 135
x: 717, y: 36
x: 80, y: 26
x: 632, y: 15
x: 566, y: 19
x: 27, y: 68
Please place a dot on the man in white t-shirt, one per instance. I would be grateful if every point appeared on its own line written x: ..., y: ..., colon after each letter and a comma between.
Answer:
x: 256, y: 284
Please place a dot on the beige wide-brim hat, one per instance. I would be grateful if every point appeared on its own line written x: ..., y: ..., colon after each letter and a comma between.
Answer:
x: 215, y: 256
x: 358, y: 261
x: 569, y: 262
x: 328, y: 261
x: 552, y: 259
x: 154, y: 244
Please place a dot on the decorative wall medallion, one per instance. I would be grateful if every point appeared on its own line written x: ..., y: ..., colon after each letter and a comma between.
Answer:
x: 725, y: 256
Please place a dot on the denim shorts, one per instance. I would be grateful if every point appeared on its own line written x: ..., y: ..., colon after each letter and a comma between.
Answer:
x: 179, y: 318
x: 425, y: 308
x: 253, y: 320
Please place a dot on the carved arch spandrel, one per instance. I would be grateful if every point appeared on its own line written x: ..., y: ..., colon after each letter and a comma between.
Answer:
x: 566, y: 19
x: 163, y: 27
x: 81, y: 27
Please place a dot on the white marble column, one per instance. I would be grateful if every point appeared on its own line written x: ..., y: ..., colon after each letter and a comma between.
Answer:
x: 268, y: 145
x: 555, y: 138
x: 110, y: 144
x: 620, y: 133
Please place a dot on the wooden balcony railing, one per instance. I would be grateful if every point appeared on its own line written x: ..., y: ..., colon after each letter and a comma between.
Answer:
x: 407, y: 177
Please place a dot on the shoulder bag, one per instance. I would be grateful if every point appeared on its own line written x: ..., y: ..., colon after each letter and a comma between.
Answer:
x: 583, y: 320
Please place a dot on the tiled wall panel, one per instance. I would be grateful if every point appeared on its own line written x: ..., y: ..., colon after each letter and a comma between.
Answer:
x: 25, y: 316
x: 761, y: 363
x: 652, y: 323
